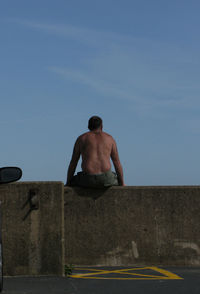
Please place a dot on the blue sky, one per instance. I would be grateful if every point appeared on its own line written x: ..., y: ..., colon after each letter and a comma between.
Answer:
x: 135, y: 63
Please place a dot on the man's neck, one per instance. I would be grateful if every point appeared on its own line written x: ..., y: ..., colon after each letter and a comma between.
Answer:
x: 97, y: 131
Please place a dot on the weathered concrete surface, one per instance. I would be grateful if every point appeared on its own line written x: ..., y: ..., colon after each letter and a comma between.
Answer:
x: 33, y: 241
x: 114, y: 227
x: 133, y: 225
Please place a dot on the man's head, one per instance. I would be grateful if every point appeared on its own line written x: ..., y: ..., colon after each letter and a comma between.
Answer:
x: 95, y: 123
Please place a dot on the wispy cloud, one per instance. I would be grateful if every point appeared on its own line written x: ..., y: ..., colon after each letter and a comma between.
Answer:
x: 100, y: 85
x: 149, y: 73
x: 86, y: 35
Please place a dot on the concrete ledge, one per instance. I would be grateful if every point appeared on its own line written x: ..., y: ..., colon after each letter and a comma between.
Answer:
x: 115, y: 226
x: 33, y: 241
x: 133, y: 225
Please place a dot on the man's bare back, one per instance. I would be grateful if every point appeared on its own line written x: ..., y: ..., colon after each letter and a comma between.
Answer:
x: 96, y: 148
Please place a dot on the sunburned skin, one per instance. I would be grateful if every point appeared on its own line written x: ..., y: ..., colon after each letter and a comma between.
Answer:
x: 96, y: 148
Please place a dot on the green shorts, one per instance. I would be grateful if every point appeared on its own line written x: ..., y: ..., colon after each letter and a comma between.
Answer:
x: 103, y: 180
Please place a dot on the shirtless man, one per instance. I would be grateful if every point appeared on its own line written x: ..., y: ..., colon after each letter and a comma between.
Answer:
x: 96, y: 148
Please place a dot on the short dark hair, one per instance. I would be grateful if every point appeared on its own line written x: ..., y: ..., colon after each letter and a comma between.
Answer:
x: 94, y: 123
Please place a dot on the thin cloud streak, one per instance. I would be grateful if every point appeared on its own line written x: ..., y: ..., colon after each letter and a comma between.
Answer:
x: 95, y: 83
x: 86, y: 35
x: 124, y: 90
x: 157, y: 73
x: 105, y: 39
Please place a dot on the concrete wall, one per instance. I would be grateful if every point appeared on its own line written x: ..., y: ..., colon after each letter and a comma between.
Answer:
x: 133, y: 225
x: 117, y: 226
x: 33, y: 241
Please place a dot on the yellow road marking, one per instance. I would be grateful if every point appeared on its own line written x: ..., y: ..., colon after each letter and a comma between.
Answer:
x: 122, y: 271
x: 94, y: 274
x: 168, y: 274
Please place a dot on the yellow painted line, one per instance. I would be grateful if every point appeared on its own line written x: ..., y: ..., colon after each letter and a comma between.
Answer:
x: 89, y: 269
x: 104, y: 278
x: 166, y: 275
x: 121, y: 272
x: 103, y: 272
x: 121, y: 278
x: 100, y: 270
x: 170, y: 275
x: 140, y: 275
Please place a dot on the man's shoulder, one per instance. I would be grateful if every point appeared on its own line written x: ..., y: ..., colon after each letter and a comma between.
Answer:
x: 82, y: 136
x: 107, y: 135
x: 89, y: 134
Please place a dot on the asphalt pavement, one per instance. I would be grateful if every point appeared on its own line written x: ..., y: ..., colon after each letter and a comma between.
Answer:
x: 123, y: 280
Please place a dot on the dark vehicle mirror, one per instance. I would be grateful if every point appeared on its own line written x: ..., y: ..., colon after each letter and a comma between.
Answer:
x: 7, y: 175
x: 10, y: 174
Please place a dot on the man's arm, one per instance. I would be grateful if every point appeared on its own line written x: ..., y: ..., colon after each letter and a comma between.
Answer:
x: 118, y: 168
x: 73, y: 162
